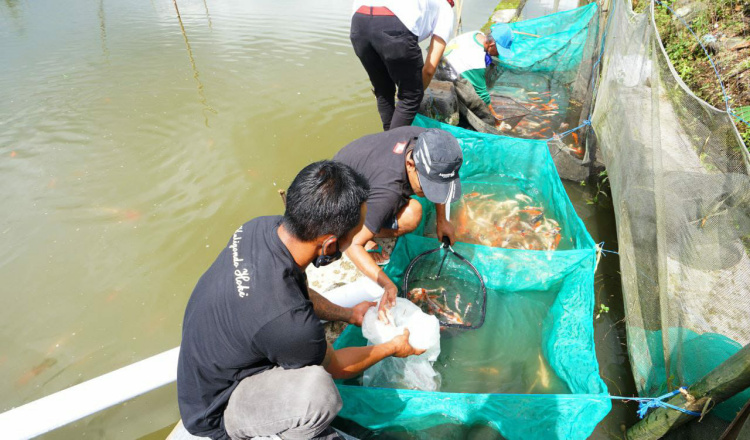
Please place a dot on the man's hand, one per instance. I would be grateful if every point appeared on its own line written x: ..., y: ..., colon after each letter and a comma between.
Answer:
x: 386, y: 302
x: 498, y: 119
x: 358, y: 312
x: 401, y: 346
x: 446, y: 229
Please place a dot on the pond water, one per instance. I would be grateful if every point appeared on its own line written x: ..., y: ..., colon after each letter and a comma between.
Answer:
x: 134, y: 138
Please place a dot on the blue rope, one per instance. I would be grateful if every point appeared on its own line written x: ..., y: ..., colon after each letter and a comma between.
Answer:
x: 710, y: 60
x: 593, y: 78
x: 601, y: 248
x: 646, y: 403
x: 565, y: 133
x: 601, y: 51
x: 738, y: 117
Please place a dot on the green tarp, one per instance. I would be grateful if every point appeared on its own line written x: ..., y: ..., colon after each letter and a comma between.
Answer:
x: 564, y: 326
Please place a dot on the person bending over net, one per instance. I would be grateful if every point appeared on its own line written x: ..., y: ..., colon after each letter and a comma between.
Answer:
x: 465, y: 62
x: 400, y: 163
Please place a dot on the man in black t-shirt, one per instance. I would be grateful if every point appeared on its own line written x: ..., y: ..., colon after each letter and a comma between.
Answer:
x: 254, y: 360
x: 400, y: 163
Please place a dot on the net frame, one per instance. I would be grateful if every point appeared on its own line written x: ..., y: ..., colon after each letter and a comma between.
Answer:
x: 449, y: 251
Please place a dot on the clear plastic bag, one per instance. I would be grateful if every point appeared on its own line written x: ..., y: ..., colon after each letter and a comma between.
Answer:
x: 413, y: 372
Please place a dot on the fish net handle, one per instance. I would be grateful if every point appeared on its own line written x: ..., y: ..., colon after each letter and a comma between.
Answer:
x: 448, y: 248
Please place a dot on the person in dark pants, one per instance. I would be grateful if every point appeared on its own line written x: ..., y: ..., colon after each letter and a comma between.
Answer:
x: 254, y: 361
x: 386, y: 39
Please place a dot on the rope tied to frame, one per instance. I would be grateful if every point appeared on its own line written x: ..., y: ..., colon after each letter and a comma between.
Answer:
x: 585, y: 123
x: 601, y: 249
x: 646, y: 404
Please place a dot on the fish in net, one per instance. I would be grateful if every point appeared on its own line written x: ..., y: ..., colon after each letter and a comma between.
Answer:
x: 445, y: 284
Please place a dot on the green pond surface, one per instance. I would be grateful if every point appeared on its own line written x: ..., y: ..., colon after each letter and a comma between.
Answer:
x: 134, y: 138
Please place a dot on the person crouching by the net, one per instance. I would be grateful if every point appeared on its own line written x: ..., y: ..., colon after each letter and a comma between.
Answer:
x: 398, y: 164
x: 254, y: 360
x: 385, y: 36
x: 466, y: 62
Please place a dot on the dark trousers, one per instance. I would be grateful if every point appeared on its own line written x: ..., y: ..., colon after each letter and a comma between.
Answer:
x: 391, y: 55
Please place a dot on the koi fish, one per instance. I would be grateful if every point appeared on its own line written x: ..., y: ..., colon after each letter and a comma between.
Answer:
x: 523, y: 198
x: 36, y: 371
x: 532, y: 211
x: 543, y: 372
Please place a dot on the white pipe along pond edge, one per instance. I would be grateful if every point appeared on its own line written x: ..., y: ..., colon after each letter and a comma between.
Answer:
x: 82, y: 400
x: 87, y: 398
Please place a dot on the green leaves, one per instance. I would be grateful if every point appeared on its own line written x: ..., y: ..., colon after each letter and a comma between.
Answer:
x: 602, y: 309
x: 743, y: 112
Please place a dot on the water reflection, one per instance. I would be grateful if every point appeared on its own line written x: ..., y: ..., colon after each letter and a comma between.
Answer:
x: 103, y: 28
x: 201, y: 94
x: 13, y: 9
x: 208, y: 16
x: 116, y: 192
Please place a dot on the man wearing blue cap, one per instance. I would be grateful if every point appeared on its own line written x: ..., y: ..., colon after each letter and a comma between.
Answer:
x: 466, y: 59
x: 399, y: 163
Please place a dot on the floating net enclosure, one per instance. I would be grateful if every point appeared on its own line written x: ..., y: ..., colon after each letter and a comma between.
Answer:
x: 680, y: 184
x: 530, y: 370
x: 549, y: 73
x: 545, y: 88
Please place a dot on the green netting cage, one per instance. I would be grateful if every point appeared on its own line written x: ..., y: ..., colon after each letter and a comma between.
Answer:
x: 530, y: 371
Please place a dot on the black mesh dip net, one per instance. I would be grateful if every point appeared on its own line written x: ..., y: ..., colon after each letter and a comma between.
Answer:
x: 445, y: 284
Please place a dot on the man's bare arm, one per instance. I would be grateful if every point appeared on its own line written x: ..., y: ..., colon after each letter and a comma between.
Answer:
x: 434, y: 54
x: 367, y: 266
x: 327, y: 310
x: 348, y: 362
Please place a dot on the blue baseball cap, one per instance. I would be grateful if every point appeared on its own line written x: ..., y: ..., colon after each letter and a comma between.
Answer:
x: 503, y: 36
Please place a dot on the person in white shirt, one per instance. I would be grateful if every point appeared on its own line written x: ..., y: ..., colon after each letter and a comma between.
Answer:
x: 385, y: 35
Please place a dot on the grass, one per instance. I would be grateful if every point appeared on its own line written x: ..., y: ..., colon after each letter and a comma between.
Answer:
x: 720, y: 17
x: 504, y: 4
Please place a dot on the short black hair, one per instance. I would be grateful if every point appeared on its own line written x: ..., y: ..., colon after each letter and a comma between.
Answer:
x: 326, y: 197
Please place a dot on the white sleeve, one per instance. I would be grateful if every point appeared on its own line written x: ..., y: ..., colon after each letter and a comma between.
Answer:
x: 444, y: 22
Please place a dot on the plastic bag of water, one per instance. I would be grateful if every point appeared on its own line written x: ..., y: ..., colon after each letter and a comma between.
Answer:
x: 413, y: 372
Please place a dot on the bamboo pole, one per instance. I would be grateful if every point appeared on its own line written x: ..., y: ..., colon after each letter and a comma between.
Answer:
x: 740, y: 426
x: 726, y: 380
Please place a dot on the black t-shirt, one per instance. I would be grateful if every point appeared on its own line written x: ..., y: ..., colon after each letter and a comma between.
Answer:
x: 248, y: 313
x: 380, y: 158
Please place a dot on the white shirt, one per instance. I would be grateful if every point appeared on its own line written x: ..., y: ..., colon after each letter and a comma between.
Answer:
x: 465, y: 52
x: 422, y: 17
